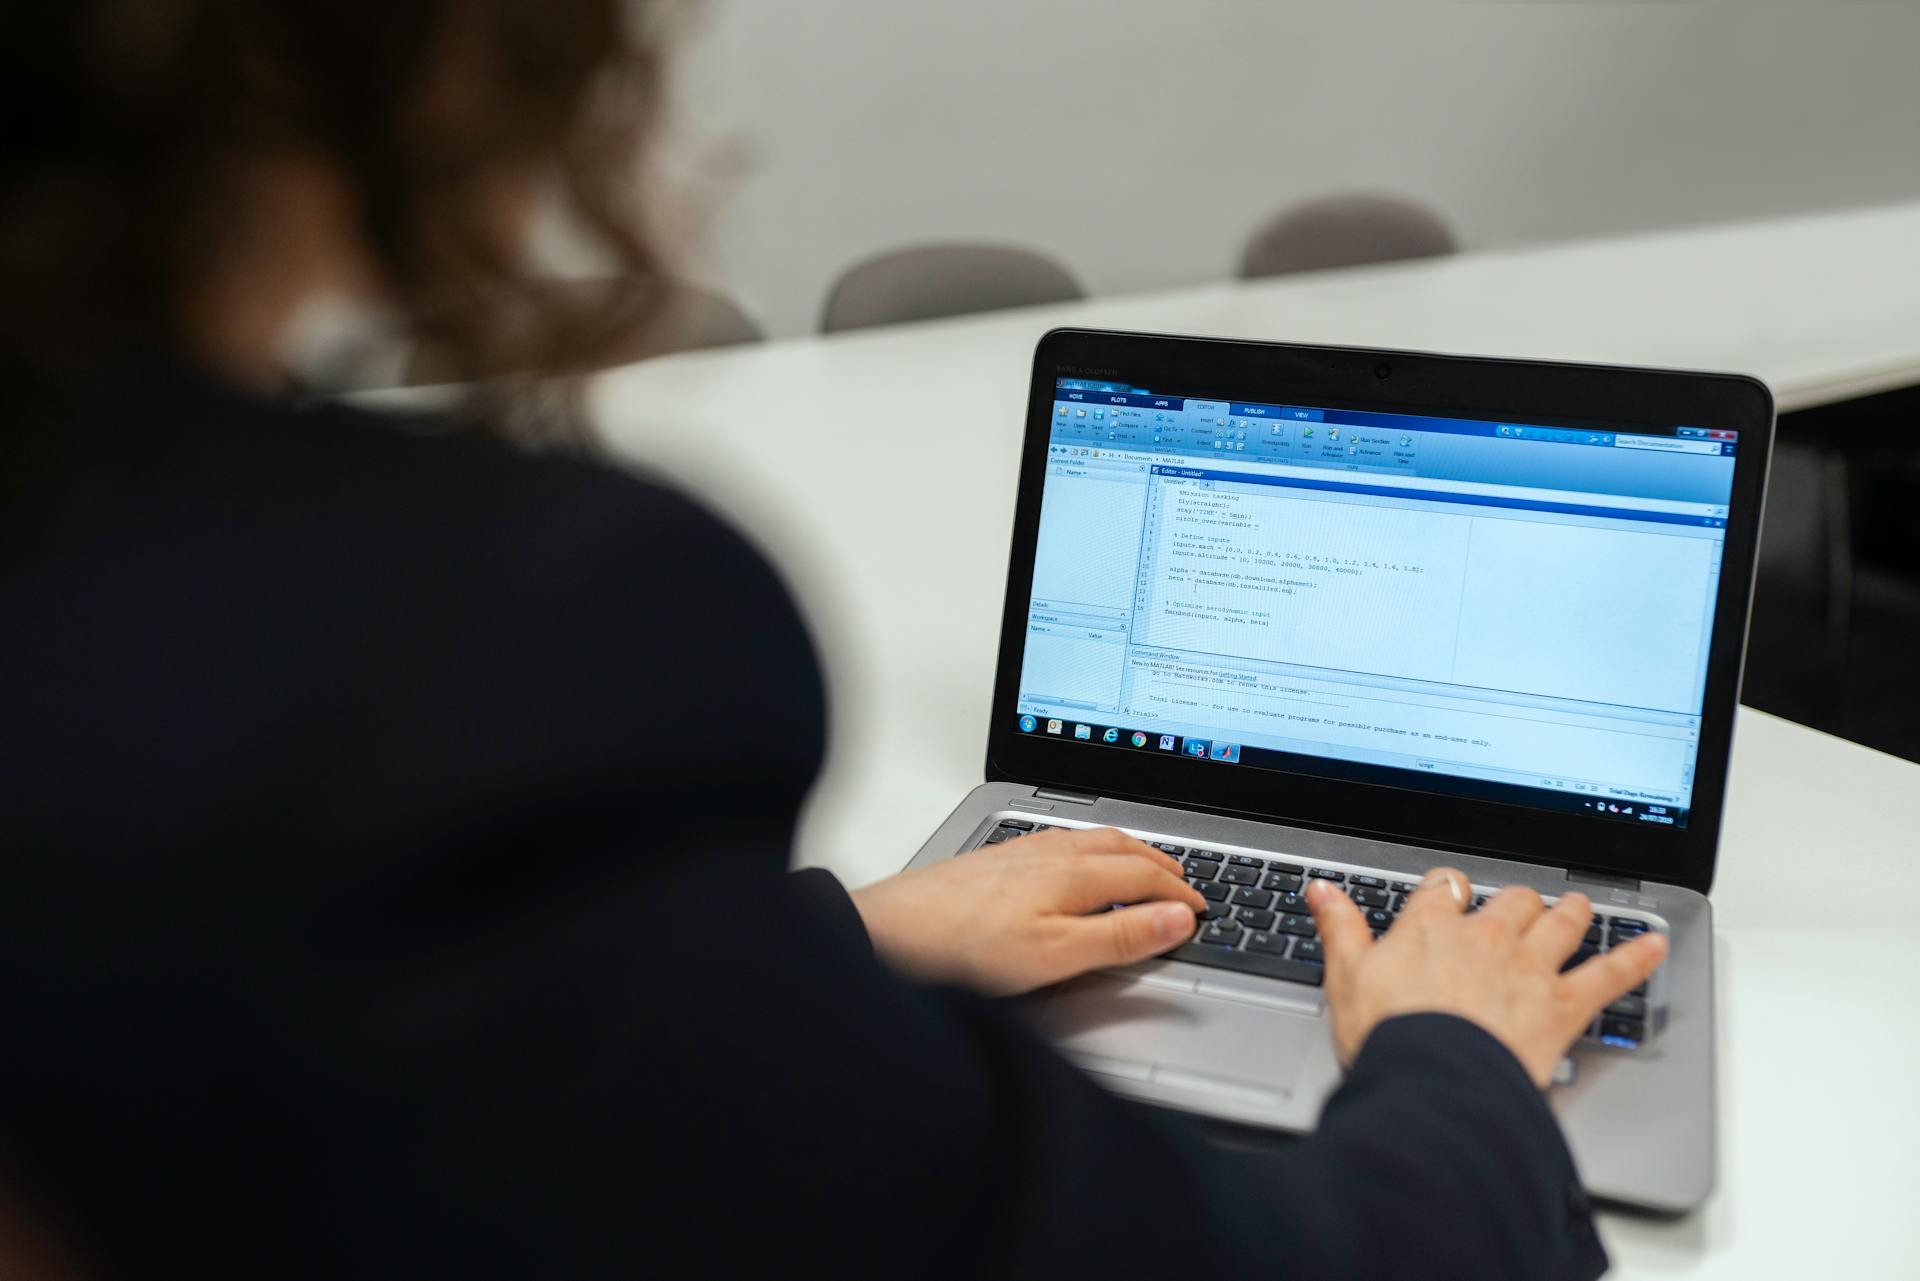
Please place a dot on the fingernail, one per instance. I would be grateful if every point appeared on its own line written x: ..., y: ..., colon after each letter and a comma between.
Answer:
x: 1173, y: 921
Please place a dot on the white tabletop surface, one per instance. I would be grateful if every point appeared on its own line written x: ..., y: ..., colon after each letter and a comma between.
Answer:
x: 877, y: 469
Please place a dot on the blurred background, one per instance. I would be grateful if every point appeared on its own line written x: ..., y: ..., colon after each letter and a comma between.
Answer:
x: 848, y: 126
x: 1133, y: 145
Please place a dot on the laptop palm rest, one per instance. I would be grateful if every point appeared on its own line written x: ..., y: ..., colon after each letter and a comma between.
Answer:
x: 1180, y: 1041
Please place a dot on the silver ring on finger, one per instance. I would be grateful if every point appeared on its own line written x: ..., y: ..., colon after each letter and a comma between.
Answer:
x: 1453, y: 884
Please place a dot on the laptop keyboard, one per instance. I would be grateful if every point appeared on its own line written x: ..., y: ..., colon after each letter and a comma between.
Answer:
x: 1257, y: 921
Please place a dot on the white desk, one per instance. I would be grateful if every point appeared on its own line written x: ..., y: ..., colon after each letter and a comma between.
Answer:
x: 878, y: 470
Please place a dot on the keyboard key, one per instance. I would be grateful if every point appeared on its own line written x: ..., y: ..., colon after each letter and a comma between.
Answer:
x: 1000, y: 834
x: 1212, y: 891
x: 1251, y: 963
x: 1399, y: 901
x: 1293, y: 905
x: 1301, y: 925
x: 1020, y: 823
x: 1593, y: 936
x: 1225, y: 932
x: 1270, y: 944
x: 1371, y: 898
x: 1216, y: 912
x: 1308, y: 950
x: 1247, y: 860
x: 1628, y: 1007
x: 1327, y: 874
x: 1379, y: 919
x: 1580, y: 957
x: 1289, y: 869
x: 1284, y: 882
x: 1175, y: 850
x: 1247, y: 896
x: 1254, y: 919
x: 1239, y: 875
x: 1403, y: 887
x: 1367, y: 882
x: 1201, y: 870
x: 1625, y: 1032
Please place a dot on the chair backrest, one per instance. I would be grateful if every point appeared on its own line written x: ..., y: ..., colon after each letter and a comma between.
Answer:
x: 686, y: 318
x: 1345, y: 231
x: 944, y: 280
x: 691, y: 319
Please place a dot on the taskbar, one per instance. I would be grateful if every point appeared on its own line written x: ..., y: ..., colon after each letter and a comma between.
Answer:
x: 1222, y: 752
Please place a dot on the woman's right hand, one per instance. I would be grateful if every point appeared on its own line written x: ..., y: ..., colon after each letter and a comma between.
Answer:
x: 1010, y: 918
x: 1498, y: 967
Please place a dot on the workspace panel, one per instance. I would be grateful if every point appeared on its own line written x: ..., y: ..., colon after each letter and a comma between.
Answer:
x: 1522, y: 604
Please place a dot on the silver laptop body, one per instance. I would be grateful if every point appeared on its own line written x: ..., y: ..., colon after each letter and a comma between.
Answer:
x: 1250, y: 1050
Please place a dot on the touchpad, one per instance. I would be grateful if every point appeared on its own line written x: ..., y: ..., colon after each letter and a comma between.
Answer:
x: 1179, y: 1033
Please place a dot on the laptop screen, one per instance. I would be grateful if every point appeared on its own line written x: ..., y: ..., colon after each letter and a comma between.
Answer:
x: 1514, y: 611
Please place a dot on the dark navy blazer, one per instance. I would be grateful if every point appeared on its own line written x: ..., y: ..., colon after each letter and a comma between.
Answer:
x: 396, y: 830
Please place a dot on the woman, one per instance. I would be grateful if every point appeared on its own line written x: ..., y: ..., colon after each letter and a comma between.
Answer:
x: 392, y: 889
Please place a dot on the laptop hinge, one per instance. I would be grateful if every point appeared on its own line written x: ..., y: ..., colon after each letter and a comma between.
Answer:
x: 1074, y: 798
x: 1626, y: 883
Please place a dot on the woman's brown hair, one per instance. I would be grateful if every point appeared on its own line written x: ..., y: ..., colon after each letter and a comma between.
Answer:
x: 128, y: 120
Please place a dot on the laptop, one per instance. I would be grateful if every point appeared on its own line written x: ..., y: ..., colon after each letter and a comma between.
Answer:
x: 1293, y: 612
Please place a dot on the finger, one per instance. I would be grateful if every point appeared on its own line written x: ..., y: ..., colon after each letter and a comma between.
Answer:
x: 1445, y: 892
x: 1111, y: 840
x: 1092, y: 881
x: 1343, y: 930
x: 1609, y: 976
x: 1556, y: 932
x: 1512, y: 910
x: 1121, y: 938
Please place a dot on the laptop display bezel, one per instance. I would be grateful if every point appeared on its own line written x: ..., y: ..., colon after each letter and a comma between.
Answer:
x: 1412, y: 382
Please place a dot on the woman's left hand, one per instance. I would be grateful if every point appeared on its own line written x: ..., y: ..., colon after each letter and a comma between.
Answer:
x: 1013, y: 917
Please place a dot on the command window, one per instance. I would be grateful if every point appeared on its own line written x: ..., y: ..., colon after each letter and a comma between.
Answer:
x: 1507, y: 632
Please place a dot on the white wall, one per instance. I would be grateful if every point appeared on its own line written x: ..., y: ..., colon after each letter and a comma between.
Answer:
x: 1140, y: 140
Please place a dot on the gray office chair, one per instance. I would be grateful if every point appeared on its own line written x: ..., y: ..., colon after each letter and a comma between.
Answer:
x: 931, y: 281
x: 688, y: 319
x: 1345, y: 231
x: 691, y: 319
